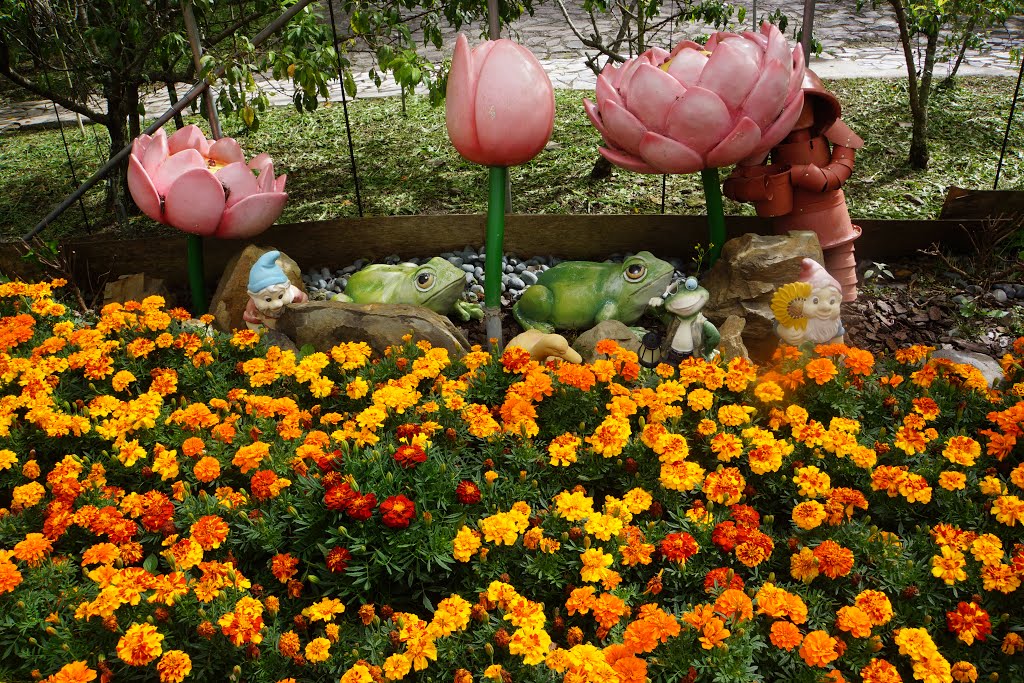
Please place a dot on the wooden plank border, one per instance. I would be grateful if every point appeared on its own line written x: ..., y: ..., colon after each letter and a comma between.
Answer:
x: 336, y: 243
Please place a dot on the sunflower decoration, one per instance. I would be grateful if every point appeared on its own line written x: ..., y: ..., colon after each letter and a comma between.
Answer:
x: 788, y: 304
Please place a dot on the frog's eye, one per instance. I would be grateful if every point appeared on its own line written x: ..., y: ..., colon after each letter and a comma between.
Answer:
x: 424, y: 281
x: 635, y: 272
x: 691, y: 283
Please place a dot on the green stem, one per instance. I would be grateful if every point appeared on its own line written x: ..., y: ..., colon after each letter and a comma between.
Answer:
x: 716, y: 213
x: 494, y: 248
x: 196, y: 274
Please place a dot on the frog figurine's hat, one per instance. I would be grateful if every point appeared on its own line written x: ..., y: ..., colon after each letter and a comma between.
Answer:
x: 812, y: 272
x: 266, y: 273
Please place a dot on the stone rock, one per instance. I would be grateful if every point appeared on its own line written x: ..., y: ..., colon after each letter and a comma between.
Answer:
x: 743, y: 280
x: 988, y: 365
x: 280, y: 340
x: 134, y: 288
x: 229, y: 300
x: 325, y: 324
x: 608, y: 329
x: 732, y: 346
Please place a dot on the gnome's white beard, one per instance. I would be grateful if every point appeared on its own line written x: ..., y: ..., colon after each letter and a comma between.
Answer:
x: 821, y: 331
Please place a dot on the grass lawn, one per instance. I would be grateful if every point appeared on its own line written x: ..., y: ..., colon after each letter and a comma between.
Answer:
x: 407, y: 165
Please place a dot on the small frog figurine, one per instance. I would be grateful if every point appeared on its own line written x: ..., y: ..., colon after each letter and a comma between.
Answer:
x: 694, y: 334
x: 807, y: 311
x: 270, y: 291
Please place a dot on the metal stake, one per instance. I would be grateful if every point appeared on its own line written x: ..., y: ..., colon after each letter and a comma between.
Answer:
x: 1009, y: 121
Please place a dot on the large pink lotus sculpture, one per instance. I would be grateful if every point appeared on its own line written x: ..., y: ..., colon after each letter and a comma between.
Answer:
x: 500, y: 107
x: 204, y: 187
x: 699, y: 107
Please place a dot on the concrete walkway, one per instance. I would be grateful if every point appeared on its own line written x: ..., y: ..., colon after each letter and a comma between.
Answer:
x: 854, y: 45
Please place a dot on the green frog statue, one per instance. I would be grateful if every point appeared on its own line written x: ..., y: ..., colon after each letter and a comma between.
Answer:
x: 694, y: 334
x: 579, y: 294
x: 436, y: 284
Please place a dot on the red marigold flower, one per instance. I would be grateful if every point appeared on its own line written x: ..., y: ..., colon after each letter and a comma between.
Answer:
x: 467, y: 492
x: 360, y: 507
x: 969, y: 622
x: 409, y: 456
x: 338, y: 559
x: 717, y: 579
x: 679, y: 547
x: 338, y: 497
x: 397, y: 511
x: 745, y: 515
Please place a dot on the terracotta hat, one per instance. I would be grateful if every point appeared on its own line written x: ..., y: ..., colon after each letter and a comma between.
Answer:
x: 812, y: 272
x: 826, y: 107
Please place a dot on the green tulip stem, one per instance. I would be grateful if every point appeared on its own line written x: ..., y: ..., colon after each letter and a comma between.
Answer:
x: 716, y: 213
x: 494, y: 248
x: 196, y: 274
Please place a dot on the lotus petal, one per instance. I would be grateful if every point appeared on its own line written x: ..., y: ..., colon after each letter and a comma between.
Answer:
x: 195, y: 201
x: 156, y: 154
x: 783, y: 125
x: 653, y: 92
x: 612, y: 73
x: 265, y: 183
x: 685, y: 45
x: 699, y: 120
x: 238, y: 182
x: 139, y: 146
x: 175, y: 166
x: 259, y: 161
x: 595, y: 118
x: 626, y: 161
x: 738, y: 144
x: 731, y: 72
x: 626, y: 76
x: 751, y: 43
x: 658, y: 55
x: 687, y: 67
x: 515, y: 105
x: 605, y: 91
x: 142, y: 189
x: 279, y: 183
x: 625, y: 129
x: 252, y: 215
x: 226, y: 151
x: 766, y: 99
x: 459, y: 100
x: 669, y: 156
x: 796, y: 78
x: 778, y: 48
x: 185, y: 138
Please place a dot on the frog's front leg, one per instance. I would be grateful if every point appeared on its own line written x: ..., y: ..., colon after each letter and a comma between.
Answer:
x: 609, y: 311
x: 534, y: 307
x: 343, y: 298
x: 468, y: 311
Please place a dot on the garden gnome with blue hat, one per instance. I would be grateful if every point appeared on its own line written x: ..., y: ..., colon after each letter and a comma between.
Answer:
x: 270, y: 291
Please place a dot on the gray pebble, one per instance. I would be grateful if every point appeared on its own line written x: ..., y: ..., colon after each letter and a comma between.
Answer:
x: 519, y: 267
x: 469, y: 278
x: 1000, y: 296
x: 479, y: 271
x: 974, y: 289
x: 321, y: 284
x: 529, y: 277
x: 360, y: 263
x: 455, y: 260
x: 505, y: 279
x: 959, y: 299
x: 325, y: 273
x: 516, y: 283
x: 509, y: 268
x: 468, y: 267
x: 1018, y: 290
x: 477, y: 289
x: 348, y: 270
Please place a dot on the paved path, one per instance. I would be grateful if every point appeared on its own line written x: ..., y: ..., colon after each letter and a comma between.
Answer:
x: 854, y: 45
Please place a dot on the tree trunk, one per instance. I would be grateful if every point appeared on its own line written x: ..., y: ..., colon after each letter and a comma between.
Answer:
x: 118, y: 103
x: 919, y: 138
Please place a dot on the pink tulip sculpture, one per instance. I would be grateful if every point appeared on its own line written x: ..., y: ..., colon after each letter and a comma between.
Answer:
x: 500, y: 111
x: 204, y: 188
x: 698, y: 108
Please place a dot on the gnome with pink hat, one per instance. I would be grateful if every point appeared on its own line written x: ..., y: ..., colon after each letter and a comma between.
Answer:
x: 807, y: 311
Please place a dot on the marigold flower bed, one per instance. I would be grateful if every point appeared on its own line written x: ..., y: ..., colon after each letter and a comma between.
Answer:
x: 183, y: 505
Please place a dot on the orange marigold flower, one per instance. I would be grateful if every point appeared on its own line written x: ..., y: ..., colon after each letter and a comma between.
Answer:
x: 854, y: 621
x: 818, y: 649
x: 209, y: 531
x: 964, y: 672
x: 833, y: 559
x: 174, y: 666
x: 33, y: 549
x: 785, y: 635
x: 821, y: 370
x: 75, y: 672
x: 284, y: 566
x: 876, y: 605
x: 880, y: 671
x: 140, y: 645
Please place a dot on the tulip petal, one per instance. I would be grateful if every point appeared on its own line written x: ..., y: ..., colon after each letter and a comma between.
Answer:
x: 669, y: 156
x: 731, y: 72
x: 195, y: 201
x: 784, y: 124
x: 226, y: 151
x: 624, y: 128
x: 185, y: 138
x: 515, y: 104
x: 605, y: 91
x: 738, y: 144
x: 142, y: 189
x: 626, y: 161
x: 174, y: 166
x: 252, y: 215
x: 699, y: 120
x: 459, y: 99
x: 687, y: 67
x: 156, y: 154
x: 238, y: 182
x: 767, y: 98
x: 652, y: 92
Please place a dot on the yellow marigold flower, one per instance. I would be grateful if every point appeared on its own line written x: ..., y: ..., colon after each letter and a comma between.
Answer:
x: 700, y: 400
x: 574, y: 506
x: 249, y: 457
x: 8, y: 459
x: 769, y: 392
x: 562, y: 449
x: 726, y: 446
x: 500, y: 528
x: 803, y: 566
x: 809, y: 514
x: 637, y: 500
x: 992, y: 486
x: 949, y: 566
x: 962, y: 450
x: 987, y: 549
x: 396, y: 667
x: 1012, y: 643
x: 324, y: 610
x: 610, y: 437
x: 318, y: 650
x: 140, y: 645
x: 174, y: 666
x: 603, y: 527
x: 490, y: 476
x: 357, y: 674
x: 466, y: 543
x: 493, y: 672
x: 595, y: 564
x: 734, y: 415
x: 1008, y: 510
x: 27, y: 495
x: 531, y: 643
x: 706, y: 427
x: 812, y: 482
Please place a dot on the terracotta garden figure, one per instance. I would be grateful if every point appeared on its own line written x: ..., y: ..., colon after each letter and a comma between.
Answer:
x: 802, y: 186
x: 436, y: 284
x: 694, y: 334
x: 543, y: 347
x: 269, y: 292
x: 577, y: 295
x: 808, y: 311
